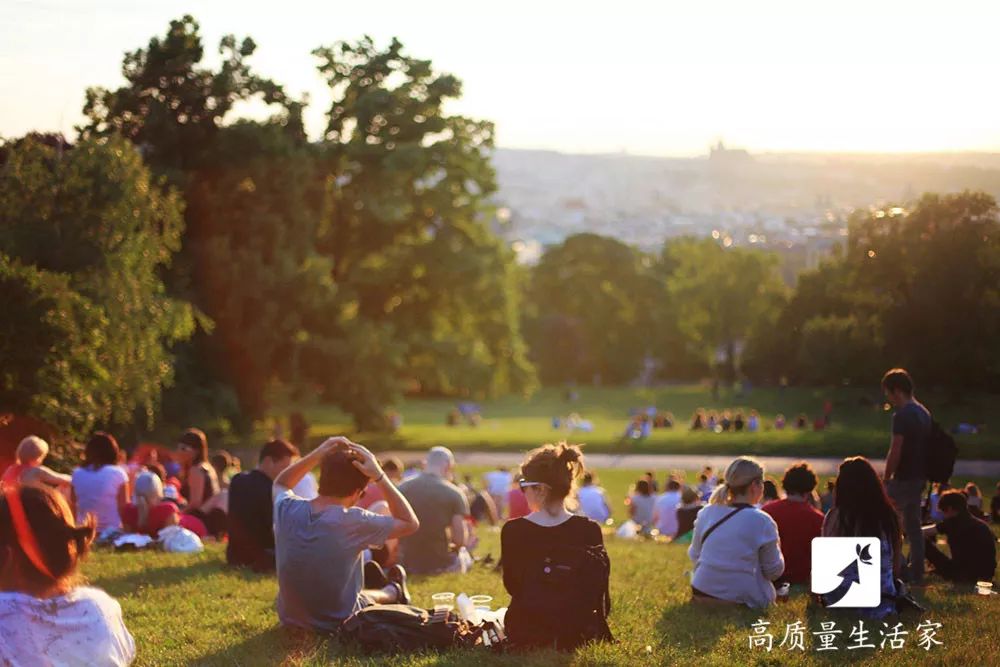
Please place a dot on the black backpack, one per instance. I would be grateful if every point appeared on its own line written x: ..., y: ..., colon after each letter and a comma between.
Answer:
x: 941, y: 452
x: 400, y: 628
x: 564, y: 601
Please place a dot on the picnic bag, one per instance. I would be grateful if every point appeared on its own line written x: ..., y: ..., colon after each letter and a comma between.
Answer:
x: 400, y: 628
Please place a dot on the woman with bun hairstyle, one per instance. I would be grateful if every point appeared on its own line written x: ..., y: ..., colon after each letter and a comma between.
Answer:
x: 46, y: 617
x: 735, y: 548
x: 555, y: 566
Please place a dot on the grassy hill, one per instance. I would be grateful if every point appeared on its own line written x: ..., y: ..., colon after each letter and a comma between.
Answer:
x: 192, y: 609
x: 860, y: 423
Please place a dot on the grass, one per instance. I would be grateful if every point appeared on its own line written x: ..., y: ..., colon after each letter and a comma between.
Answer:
x: 515, y: 423
x: 192, y: 609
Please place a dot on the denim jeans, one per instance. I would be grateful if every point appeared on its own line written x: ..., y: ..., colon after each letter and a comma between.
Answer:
x: 906, y: 494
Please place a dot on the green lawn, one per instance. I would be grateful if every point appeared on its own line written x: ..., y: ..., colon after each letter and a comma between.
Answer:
x: 514, y: 423
x: 192, y: 609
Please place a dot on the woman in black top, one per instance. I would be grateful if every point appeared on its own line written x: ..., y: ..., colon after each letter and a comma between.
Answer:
x: 555, y: 566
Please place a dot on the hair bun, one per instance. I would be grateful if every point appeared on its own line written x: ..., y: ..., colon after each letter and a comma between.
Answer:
x: 569, y: 453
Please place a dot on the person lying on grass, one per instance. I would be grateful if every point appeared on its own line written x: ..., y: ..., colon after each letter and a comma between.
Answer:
x: 46, y: 616
x: 29, y: 471
x: 319, y: 543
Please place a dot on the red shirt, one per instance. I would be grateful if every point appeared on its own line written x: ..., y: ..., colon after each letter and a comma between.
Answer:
x: 798, y: 523
x: 157, y: 519
x: 373, y: 494
x: 517, y: 504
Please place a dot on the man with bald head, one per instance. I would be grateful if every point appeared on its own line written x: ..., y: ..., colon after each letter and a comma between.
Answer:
x: 441, y: 508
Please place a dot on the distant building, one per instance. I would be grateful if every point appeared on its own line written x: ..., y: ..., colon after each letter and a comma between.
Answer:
x: 722, y: 156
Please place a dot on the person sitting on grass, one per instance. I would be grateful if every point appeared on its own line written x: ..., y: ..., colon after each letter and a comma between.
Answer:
x: 442, y: 509
x: 862, y: 509
x: 251, y: 521
x: 971, y: 542
x: 28, y: 470
x: 319, y: 543
x: 665, y: 508
x: 687, y: 512
x: 798, y: 522
x: 150, y: 513
x: 640, y: 506
x: 46, y: 616
x: 975, y: 500
x: 566, y: 605
x: 735, y: 549
x: 593, y: 499
x: 199, y: 480
x: 100, y: 485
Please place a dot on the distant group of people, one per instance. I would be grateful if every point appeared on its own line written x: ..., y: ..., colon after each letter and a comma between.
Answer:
x: 734, y: 421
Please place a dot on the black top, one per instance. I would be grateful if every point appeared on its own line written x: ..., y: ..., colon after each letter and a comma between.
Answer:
x: 913, y: 422
x: 995, y: 508
x: 251, y: 530
x: 972, y: 545
x: 524, y: 543
x: 557, y: 577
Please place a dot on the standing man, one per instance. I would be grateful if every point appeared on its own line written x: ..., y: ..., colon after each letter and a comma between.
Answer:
x: 905, y: 465
x: 441, y: 508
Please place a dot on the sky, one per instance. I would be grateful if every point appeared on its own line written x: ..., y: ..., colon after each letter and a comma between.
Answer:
x: 650, y: 77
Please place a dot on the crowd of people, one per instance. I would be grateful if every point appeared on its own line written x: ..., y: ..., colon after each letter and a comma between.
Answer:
x: 369, y: 524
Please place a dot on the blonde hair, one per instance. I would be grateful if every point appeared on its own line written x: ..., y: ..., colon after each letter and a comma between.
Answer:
x: 740, y: 474
x: 32, y: 449
x: 148, y: 494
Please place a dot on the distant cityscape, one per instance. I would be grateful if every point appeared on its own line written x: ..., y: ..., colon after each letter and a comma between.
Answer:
x: 795, y: 204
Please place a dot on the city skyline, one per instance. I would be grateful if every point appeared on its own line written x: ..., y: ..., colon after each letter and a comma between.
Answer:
x: 643, y: 78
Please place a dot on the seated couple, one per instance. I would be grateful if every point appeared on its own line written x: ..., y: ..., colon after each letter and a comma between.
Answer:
x: 319, y: 543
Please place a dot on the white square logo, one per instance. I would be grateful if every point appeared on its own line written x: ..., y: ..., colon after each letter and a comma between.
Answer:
x: 846, y: 571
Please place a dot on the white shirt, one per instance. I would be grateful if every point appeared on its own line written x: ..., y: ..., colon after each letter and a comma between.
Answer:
x: 665, y: 512
x: 740, y: 559
x: 83, y: 627
x: 498, y: 482
x: 593, y: 503
x: 307, y: 488
x: 97, y: 493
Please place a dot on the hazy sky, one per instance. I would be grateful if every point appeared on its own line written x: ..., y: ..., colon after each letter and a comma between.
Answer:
x: 652, y: 77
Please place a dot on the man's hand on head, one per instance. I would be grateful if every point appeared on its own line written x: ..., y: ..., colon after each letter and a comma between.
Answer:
x: 366, y: 462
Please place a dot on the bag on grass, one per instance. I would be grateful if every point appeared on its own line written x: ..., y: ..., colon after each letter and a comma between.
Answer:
x: 401, y: 628
x: 180, y: 540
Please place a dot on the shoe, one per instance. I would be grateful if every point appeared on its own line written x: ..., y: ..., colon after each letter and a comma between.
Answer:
x: 374, y: 576
x: 397, y: 577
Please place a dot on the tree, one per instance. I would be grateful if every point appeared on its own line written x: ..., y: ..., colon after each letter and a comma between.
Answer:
x: 416, y: 264
x: 90, y: 231
x: 172, y: 106
x: 595, y: 295
x: 719, y: 295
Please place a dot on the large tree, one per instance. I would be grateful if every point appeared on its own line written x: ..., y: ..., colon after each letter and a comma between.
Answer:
x: 592, y: 301
x: 89, y: 232
x: 408, y: 231
x: 720, y: 296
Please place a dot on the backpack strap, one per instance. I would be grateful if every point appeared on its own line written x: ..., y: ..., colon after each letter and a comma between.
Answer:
x: 722, y: 521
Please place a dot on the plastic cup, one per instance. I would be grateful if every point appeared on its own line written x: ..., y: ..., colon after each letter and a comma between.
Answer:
x: 984, y: 587
x: 481, y: 602
x: 443, y: 602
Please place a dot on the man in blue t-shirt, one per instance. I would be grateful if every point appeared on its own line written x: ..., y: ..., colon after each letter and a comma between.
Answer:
x: 905, y: 465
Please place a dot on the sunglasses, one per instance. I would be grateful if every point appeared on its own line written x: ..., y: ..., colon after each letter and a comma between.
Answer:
x: 524, y: 484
